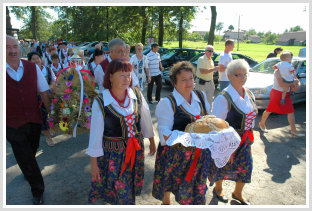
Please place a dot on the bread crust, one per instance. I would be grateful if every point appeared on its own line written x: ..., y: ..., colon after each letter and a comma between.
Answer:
x: 206, y: 124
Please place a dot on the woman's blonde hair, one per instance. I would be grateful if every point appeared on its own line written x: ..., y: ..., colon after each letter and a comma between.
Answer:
x: 138, y: 45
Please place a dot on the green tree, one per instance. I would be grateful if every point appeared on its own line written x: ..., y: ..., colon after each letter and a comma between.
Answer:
x: 212, y: 24
x: 295, y: 29
x: 206, y: 36
x: 231, y: 27
x: 219, y: 27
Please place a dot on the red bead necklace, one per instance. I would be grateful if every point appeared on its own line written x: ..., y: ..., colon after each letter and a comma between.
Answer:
x: 121, y: 101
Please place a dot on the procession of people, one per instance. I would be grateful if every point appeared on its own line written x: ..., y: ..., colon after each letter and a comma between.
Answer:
x: 106, y: 95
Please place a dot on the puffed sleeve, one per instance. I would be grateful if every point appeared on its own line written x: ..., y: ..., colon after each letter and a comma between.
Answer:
x: 220, y: 107
x: 165, y: 119
x: 207, y: 105
x: 146, y: 120
x: 99, y: 77
x: 95, y: 148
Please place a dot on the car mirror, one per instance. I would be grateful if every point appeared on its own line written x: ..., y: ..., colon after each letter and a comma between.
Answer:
x: 301, y: 75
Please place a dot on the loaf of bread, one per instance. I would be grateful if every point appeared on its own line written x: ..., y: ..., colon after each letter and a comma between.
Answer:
x: 206, y: 124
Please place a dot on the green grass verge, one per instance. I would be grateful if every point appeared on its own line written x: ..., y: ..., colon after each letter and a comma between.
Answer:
x: 257, y: 51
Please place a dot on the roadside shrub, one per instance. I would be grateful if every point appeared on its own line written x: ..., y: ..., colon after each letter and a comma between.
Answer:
x: 249, y: 41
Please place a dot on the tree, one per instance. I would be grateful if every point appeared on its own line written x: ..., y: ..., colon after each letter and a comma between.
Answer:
x: 212, y: 24
x: 231, y: 27
x: 219, y: 27
x: 206, y: 36
x: 8, y: 21
x: 295, y: 29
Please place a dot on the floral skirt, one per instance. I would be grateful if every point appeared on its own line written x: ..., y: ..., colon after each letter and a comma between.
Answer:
x: 115, y: 189
x: 171, y: 167
x: 239, y: 171
x: 44, y: 115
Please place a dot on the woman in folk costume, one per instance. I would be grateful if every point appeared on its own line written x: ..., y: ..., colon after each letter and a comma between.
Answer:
x: 140, y: 65
x: 120, y: 121
x: 97, y: 57
x: 81, y: 55
x: 67, y: 58
x: 237, y: 106
x: 50, y: 77
x: 180, y: 169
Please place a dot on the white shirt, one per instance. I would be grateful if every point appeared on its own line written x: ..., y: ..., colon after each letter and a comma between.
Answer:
x: 93, y: 65
x: 165, y: 114
x: 134, y: 61
x: 95, y: 148
x: 45, y: 72
x: 42, y: 84
x: 153, y: 63
x: 59, y: 67
x: 220, y: 104
x: 224, y: 59
x: 286, y: 70
x: 99, y: 76
x: 276, y: 86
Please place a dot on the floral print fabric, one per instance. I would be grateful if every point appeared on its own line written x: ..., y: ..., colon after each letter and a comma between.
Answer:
x: 171, y: 167
x: 115, y: 189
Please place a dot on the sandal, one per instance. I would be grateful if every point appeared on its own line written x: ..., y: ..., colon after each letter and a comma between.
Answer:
x: 50, y: 142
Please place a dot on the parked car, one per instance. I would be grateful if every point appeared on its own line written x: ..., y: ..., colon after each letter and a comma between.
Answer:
x: 146, y: 50
x: 85, y: 48
x: 302, y: 52
x: 105, y: 48
x: 215, y: 58
x: 260, y: 81
x: 83, y: 44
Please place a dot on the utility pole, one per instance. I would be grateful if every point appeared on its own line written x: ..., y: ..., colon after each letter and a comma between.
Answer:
x: 238, y: 31
x: 66, y: 22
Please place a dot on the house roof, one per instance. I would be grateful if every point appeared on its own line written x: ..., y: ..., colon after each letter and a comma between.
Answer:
x: 253, y: 36
x: 298, y: 36
x: 235, y: 30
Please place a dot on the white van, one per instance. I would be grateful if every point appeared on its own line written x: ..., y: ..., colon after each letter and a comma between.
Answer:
x: 302, y: 52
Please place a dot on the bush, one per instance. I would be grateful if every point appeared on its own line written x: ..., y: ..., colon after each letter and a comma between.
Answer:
x: 249, y: 41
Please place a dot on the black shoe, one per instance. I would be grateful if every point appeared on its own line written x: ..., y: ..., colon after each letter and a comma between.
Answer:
x: 38, y: 200
x: 242, y: 202
x: 150, y: 102
x: 223, y: 199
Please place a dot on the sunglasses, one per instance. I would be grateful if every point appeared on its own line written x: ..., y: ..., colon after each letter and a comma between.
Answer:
x: 211, y: 51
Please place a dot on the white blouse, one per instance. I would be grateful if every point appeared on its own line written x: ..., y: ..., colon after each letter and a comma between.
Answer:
x: 134, y: 60
x: 220, y: 105
x: 95, y: 148
x: 59, y: 67
x: 165, y: 114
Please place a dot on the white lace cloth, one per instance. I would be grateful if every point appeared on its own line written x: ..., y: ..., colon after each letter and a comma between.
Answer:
x: 221, y: 144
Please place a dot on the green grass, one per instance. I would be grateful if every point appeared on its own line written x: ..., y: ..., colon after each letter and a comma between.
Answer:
x: 257, y: 51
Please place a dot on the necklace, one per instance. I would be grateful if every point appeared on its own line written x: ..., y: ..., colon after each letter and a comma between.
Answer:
x: 121, y: 101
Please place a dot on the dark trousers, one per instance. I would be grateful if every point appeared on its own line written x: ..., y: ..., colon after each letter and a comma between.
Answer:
x: 157, y: 80
x: 25, y: 143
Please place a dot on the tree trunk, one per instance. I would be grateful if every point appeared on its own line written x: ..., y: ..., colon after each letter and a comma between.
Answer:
x: 107, y: 29
x: 8, y: 22
x: 144, y: 27
x: 180, y: 30
x: 212, y: 25
x: 161, y: 26
x: 33, y: 22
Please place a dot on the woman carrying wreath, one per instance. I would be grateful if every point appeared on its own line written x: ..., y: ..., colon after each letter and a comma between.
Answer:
x: 120, y: 121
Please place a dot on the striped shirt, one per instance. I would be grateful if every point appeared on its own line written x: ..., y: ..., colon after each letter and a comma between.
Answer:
x: 153, y: 63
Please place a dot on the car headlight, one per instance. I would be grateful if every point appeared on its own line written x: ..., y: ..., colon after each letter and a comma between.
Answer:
x: 259, y: 91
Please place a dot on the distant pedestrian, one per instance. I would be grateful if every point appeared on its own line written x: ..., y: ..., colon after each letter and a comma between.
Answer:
x: 224, y: 59
x: 98, y: 56
x: 140, y: 66
x: 24, y: 80
x: 155, y: 66
x: 97, y: 46
x: 55, y: 66
x: 205, y: 68
x: 32, y: 47
x: 26, y: 49
x: 274, y: 53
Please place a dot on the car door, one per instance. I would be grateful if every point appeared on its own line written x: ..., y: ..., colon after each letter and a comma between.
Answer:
x: 300, y: 95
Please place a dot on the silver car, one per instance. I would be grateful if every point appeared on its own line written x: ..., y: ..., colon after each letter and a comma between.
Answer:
x: 260, y: 81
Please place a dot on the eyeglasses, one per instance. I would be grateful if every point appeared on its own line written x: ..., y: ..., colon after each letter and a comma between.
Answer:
x: 121, y: 52
x: 211, y: 51
x: 242, y: 76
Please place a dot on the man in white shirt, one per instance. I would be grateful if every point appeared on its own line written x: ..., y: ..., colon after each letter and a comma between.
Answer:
x: 23, y: 117
x: 224, y: 59
x: 155, y: 66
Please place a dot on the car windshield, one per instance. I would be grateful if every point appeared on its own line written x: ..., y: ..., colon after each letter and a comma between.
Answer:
x: 267, y: 66
x: 83, y: 44
x: 145, y: 51
x: 167, y: 54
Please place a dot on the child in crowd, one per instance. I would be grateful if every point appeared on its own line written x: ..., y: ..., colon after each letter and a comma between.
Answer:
x: 56, y: 66
x: 288, y: 73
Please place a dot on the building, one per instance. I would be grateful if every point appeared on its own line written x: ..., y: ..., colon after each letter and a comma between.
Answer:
x: 292, y: 38
x: 233, y: 34
x: 253, y: 38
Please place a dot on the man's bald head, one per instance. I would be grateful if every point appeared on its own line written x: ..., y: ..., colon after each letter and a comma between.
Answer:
x: 12, y: 50
x: 98, y: 46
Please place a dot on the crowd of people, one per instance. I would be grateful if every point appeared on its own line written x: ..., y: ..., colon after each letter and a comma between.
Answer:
x: 121, y: 119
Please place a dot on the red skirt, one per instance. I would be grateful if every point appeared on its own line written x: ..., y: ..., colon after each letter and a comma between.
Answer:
x: 275, y: 103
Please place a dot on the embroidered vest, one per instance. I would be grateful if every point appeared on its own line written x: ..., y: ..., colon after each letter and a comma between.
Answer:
x: 181, y: 117
x: 115, y: 131
x: 235, y: 117
x: 21, y: 98
x: 104, y: 64
x: 90, y: 68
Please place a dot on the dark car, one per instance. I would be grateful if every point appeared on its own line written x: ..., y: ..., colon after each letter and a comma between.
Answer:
x: 171, y: 56
x: 105, y: 48
x: 146, y: 50
x: 215, y: 58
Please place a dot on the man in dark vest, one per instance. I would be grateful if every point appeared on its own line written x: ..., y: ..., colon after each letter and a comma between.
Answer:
x: 23, y: 119
x: 117, y: 48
